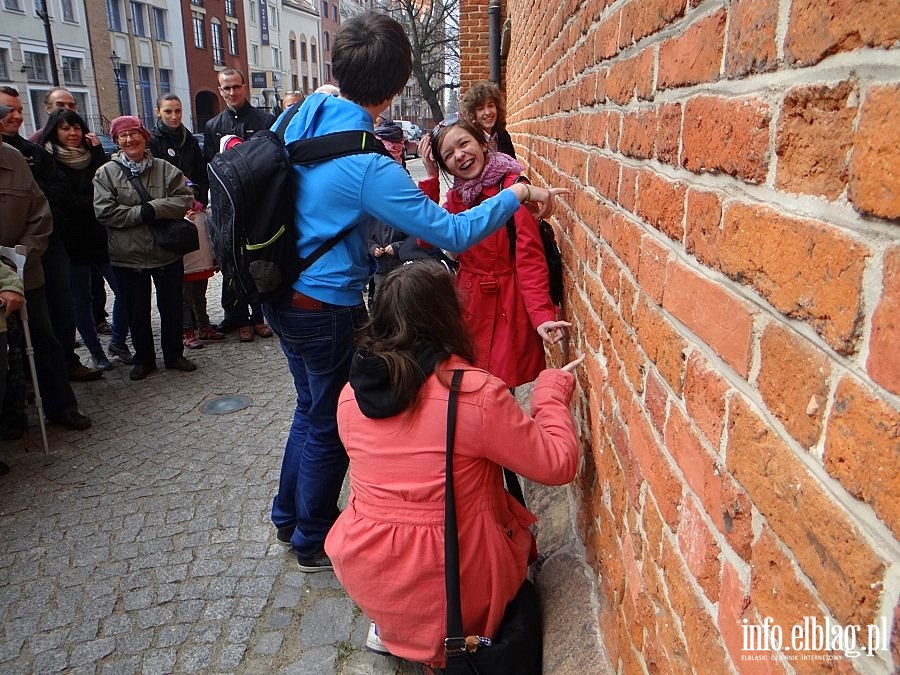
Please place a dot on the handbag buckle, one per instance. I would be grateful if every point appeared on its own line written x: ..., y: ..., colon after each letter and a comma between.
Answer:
x: 454, y: 645
x: 469, y: 644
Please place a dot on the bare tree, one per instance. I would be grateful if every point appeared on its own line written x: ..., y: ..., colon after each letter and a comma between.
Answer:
x: 433, y: 30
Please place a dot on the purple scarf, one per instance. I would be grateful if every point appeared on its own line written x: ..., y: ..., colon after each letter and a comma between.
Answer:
x: 496, y: 166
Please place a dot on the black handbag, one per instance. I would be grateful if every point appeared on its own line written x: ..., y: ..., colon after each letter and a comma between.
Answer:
x: 518, y: 646
x: 178, y: 235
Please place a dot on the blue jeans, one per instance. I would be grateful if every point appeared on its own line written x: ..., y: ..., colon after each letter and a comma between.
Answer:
x: 134, y: 293
x: 318, y: 345
x: 82, y: 295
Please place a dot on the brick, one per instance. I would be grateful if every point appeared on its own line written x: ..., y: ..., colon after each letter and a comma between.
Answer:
x: 700, y: 550
x: 813, y: 139
x: 706, y: 652
x: 883, y: 364
x: 645, y: 17
x: 862, y: 449
x: 819, y: 28
x: 695, y: 56
x: 704, y: 397
x: 631, y: 78
x: 793, y: 381
x: 662, y: 344
x: 655, y: 469
x: 716, y: 316
x: 638, y: 130
x: 660, y: 203
x: 652, y: 268
x: 726, y: 135
x: 627, y: 188
x: 874, y: 179
x: 626, y: 349
x: 725, y: 503
x: 805, y: 268
x: 751, y: 38
x: 655, y: 400
x: 703, y: 225
x: 610, y: 273
x: 668, y: 133
x: 826, y: 542
x: 604, y: 176
x: 605, y: 38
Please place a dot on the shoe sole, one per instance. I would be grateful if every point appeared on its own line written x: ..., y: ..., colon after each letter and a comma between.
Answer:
x: 312, y: 569
x: 382, y: 651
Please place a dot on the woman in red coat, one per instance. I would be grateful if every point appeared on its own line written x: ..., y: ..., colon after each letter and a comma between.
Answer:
x: 504, y: 288
x: 387, y: 546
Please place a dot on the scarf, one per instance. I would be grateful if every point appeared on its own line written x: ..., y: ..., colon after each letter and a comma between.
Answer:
x: 137, y: 168
x: 496, y: 166
x: 76, y: 158
x: 176, y: 136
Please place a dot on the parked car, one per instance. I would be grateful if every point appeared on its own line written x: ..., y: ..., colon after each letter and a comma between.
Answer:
x: 107, y: 143
x: 410, y: 145
x: 412, y: 129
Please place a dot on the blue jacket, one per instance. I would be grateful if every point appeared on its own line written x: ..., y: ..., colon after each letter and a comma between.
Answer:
x: 356, y: 190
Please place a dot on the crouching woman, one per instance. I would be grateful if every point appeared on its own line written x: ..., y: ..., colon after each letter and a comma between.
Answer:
x: 387, y: 546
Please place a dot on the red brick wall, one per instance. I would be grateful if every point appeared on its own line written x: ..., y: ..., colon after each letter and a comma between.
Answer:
x: 732, y: 250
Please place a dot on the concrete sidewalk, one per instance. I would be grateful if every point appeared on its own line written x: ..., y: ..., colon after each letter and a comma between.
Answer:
x: 143, y: 545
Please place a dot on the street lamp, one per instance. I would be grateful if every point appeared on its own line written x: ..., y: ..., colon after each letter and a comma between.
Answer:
x: 276, y: 81
x: 116, y: 62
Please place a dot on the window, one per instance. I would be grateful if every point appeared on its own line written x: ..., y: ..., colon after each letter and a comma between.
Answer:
x: 146, y: 93
x: 315, y: 83
x: 13, y: 5
x: 4, y: 64
x: 35, y: 66
x: 39, y: 6
x: 216, y: 32
x: 276, y: 59
x: 68, y: 11
x: 303, y: 57
x: 232, y: 40
x: 334, y: 13
x: 292, y: 50
x: 137, y: 19
x: 199, y: 36
x: 229, y: 8
x: 305, y: 84
x: 273, y: 16
x: 165, y: 81
x: 326, y: 41
x: 197, y: 3
x: 315, y: 53
x: 71, y: 70
x: 113, y: 15
x: 327, y: 72
x: 253, y: 12
x: 324, y: 9
x: 159, y: 23
x: 122, y: 85
x: 295, y: 85
x: 254, y: 55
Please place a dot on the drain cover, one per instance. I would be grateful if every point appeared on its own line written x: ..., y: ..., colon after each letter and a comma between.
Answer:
x: 226, y: 404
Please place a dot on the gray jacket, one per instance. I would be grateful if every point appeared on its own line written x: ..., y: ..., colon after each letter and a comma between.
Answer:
x: 118, y: 208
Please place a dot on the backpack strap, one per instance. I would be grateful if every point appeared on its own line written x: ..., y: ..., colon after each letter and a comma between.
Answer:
x: 135, y: 183
x: 332, y: 146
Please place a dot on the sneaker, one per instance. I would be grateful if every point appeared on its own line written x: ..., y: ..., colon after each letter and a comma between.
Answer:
x: 100, y: 362
x: 183, y: 364
x: 373, y: 642
x: 81, y: 373
x: 207, y: 332
x: 190, y: 340
x: 121, y: 352
x: 320, y: 562
x: 283, y: 535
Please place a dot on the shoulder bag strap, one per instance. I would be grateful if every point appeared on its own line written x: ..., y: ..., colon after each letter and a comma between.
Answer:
x: 454, y: 643
x: 135, y: 183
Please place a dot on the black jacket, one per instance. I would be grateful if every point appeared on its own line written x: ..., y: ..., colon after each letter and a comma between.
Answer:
x: 74, y: 219
x: 243, y: 122
x: 180, y: 148
x: 505, y: 144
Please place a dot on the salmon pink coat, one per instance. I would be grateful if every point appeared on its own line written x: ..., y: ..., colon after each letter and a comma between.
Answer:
x: 504, y: 298
x: 387, y: 546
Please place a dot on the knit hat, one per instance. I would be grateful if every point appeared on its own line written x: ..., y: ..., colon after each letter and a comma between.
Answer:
x: 127, y: 123
x: 228, y: 141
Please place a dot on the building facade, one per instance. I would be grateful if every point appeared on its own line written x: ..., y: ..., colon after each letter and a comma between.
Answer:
x: 27, y: 64
x: 303, y: 68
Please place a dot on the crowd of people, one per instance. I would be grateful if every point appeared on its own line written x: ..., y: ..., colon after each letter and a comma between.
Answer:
x: 459, y: 288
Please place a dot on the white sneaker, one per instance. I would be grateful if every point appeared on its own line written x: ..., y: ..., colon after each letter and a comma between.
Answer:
x: 373, y: 642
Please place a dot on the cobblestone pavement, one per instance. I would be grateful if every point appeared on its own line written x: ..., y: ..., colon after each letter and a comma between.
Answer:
x: 143, y: 544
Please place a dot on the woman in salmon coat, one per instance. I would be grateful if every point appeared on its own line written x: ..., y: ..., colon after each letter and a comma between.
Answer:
x: 387, y: 546
x: 504, y: 287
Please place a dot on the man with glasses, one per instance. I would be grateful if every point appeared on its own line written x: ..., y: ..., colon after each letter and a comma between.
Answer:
x: 242, y: 120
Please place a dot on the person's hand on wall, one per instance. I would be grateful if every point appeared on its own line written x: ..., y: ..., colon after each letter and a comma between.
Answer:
x: 552, y: 332
x: 572, y: 365
x: 530, y: 195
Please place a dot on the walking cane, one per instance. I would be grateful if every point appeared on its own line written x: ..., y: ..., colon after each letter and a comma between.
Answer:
x: 17, y: 257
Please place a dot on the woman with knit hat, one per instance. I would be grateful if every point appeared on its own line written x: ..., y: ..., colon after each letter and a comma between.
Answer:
x: 135, y: 256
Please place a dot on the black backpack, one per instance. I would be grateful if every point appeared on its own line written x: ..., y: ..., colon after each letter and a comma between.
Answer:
x: 253, y: 197
x: 551, y: 253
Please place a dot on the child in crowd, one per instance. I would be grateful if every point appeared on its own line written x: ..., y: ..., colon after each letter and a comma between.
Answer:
x: 483, y: 106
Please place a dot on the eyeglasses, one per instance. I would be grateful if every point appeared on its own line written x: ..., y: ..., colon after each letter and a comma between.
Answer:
x: 125, y: 135
x: 68, y: 105
x: 232, y: 87
x: 446, y: 122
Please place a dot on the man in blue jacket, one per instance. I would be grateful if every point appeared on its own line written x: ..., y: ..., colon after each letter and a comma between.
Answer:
x: 371, y: 60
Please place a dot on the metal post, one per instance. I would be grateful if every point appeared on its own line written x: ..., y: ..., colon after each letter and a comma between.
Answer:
x: 494, y: 40
x: 42, y: 12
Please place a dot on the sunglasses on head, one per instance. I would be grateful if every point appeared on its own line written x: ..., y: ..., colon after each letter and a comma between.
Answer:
x: 446, y: 122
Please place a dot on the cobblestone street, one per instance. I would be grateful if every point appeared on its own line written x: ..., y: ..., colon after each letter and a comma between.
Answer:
x: 143, y: 545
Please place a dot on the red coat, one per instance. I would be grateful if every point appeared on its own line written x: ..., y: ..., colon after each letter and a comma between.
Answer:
x: 504, y: 300
x: 387, y: 546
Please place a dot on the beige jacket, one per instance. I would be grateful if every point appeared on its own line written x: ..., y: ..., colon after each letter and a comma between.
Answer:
x: 25, y: 216
x: 9, y: 281
x: 118, y: 208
